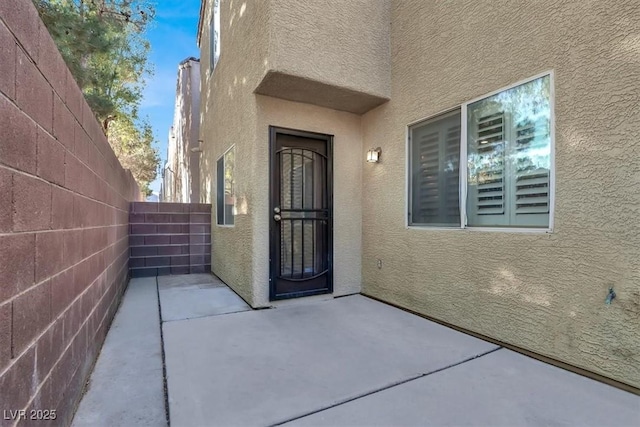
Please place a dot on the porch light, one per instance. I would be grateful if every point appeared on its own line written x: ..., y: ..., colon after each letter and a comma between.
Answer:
x: 373, y: 155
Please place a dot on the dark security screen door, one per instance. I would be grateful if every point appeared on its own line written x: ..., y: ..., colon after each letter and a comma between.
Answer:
x: 300, y: 214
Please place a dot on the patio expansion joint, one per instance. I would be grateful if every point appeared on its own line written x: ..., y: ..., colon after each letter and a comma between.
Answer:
x: 164, y: 359
x: 387, y: 387
x: 206, y: 315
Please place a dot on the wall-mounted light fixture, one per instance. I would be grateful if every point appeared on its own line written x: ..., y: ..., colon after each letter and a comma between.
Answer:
x: 373, y: 155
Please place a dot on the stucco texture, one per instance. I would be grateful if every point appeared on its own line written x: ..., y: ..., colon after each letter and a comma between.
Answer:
x: 232, y: 114
x: 228, y: 118
x: 347, y: 179
x: 541, y: 292
x: 331, y: 53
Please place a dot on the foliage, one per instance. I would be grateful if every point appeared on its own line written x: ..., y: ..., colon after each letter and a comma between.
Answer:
x: 131, y: 144
x: 103, y: 43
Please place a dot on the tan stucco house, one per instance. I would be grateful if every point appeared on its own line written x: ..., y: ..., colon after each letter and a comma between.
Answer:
x: 506, y: 193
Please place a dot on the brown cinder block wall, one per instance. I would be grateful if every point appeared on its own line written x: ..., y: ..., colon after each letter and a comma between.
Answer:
x: 64, y: 201
x: 169, y: 238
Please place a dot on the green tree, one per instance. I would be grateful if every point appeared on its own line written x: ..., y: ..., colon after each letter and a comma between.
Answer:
x: 103, y: 43
x: 131, y: 143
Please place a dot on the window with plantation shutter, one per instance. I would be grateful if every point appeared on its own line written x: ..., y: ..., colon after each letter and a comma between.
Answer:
x: 435, y: 157
x: 506, y: 166
x: 532, y: 175
x: 508, y: 154
x: 487, y: 168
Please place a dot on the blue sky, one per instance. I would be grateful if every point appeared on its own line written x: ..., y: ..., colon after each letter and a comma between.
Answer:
x: 173, y: 38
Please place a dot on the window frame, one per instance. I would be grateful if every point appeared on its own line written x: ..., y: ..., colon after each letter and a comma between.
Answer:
x: 463, y: 167
x: 223, y: 224
x: 409, y: 170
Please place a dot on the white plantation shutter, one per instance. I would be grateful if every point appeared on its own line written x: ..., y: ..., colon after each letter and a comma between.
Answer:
x: 427, y: 193
x: 508, y: 173
x: 435, y: 152
x: 490, y: 145
x: 488, y: 174
x: 451, y: 178
x: 531, y: 201
x: 509, y: 157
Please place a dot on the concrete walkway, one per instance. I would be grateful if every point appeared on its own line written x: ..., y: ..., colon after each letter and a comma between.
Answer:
x: 350, y: 361
x: 126, y: 387
x: 190, y: 296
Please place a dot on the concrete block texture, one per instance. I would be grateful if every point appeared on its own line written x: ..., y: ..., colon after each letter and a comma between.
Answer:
x: 31, y: 203
x: 49, y: 254
x: 17, y: 269
x: 6, y: 196
x: 18, y: 139
x: 50, y: 158
x: 5, y: 334
x: 63, y: 121
x: 33, y: 93
x: 164, y: 235
x: 7, y: 67
x: 22, y: 19
x: 16, y: 381
x: 31, y: 315
x: 63, y: 223
x: 51, y: 63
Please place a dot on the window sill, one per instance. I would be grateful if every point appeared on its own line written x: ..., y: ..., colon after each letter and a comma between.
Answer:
x: 481, y: 229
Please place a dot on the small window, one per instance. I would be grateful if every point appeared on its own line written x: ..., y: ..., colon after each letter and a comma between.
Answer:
x: 225, y: 200
x: 435, y: 172
x: 506, y: 168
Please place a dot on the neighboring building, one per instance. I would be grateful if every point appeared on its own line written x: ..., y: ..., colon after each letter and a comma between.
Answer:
x: 506, y: 195
x: 181, y: 174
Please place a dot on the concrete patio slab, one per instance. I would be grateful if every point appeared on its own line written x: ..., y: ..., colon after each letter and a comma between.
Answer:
x: 502, y: 388
x: 126, y: 387
x: 198, y: 295
x: 269, y: 366
x: 206, y: 279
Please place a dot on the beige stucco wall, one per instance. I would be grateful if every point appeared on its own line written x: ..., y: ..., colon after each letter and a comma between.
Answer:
x: 331, y: 53
x: 228, y: 116
x: 347, y: 179
x: 343, y: 43
x: 542, y: 292
x: 232, y: 114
